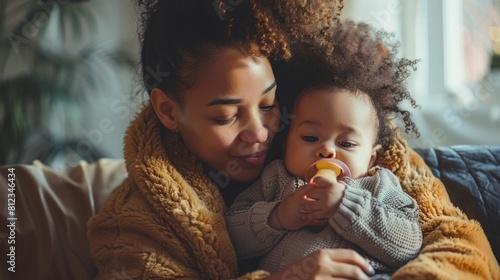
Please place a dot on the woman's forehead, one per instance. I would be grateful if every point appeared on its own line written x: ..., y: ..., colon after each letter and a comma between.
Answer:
x: 232, y: 74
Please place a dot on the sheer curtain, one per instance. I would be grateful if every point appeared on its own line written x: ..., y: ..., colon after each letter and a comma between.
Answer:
x: 459, y: 94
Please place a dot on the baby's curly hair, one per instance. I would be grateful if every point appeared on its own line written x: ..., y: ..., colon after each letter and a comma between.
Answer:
x: 179, y: 35
x: 363, y: 62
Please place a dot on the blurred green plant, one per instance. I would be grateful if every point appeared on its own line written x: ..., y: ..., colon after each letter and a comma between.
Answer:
x: 39, y: 73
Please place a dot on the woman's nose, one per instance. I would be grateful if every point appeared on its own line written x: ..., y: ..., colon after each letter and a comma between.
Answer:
x: 326, y: 151
x: 255, y: 132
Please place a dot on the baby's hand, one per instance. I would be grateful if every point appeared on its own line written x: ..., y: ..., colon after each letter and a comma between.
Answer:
x: 288, y: 213
x: 323, y: 199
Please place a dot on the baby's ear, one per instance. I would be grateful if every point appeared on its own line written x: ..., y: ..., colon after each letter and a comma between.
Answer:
x: 373, y: 157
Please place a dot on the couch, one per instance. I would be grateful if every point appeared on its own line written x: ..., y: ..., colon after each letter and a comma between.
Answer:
x: 47, y: 214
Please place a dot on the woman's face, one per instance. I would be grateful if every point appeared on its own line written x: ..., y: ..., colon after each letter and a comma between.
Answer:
x: 230, y: 115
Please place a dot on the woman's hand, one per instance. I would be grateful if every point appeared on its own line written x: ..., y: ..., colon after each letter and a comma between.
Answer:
x: 327, y: 264
x: 323, y: 199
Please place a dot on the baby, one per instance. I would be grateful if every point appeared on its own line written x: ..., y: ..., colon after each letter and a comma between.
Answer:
x: 282, y: 217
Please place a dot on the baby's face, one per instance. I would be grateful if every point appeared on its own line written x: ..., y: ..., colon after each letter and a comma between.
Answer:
x: 332, y: 124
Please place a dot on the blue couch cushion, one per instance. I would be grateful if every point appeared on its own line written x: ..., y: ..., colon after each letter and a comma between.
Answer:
x: 471, y: 175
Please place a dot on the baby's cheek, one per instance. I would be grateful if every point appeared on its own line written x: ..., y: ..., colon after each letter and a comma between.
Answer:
x: 295, y: 165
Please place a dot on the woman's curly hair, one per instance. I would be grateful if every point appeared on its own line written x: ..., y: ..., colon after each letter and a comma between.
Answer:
x: 364, y: 61
x: 178, y: 35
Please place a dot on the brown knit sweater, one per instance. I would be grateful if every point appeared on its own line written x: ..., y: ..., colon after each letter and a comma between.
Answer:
x: 166, y: 220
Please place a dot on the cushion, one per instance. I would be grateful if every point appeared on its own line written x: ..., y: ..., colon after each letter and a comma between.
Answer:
x: 471, y: 175
x: 50, y: 209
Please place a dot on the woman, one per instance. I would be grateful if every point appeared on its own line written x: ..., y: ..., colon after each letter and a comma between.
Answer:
x: 212, y: 115
x: 206, y: 131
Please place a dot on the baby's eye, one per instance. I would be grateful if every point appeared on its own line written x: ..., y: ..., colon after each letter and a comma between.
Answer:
x: 347, y: 145
x: 309, y: 139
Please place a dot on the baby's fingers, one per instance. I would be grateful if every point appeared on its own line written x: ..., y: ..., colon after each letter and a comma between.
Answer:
x: 312, y: 206
x: 316, y: 193
x: 317, y: 217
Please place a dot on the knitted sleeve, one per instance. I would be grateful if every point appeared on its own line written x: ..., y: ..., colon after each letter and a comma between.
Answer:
x: 376, y: 215
x: 247, y: 218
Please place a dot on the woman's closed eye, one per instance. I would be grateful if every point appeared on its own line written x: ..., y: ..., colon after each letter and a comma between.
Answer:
x: 267, y: 108
x: 225, y: 121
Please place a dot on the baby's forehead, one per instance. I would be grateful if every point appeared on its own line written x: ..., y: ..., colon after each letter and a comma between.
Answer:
x: 324, y: 95
x: 318, y: 105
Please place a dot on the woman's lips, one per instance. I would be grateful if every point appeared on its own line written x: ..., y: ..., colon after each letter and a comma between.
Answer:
x: 255, y: 159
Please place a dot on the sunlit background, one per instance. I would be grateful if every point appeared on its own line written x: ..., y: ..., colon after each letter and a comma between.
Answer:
x: 69, y: 81
x: 457, y: 82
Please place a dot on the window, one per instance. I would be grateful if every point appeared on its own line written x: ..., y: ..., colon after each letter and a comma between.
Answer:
x: 458, y: 79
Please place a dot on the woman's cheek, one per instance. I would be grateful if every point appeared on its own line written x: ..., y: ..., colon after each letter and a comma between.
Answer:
x: 224, y: 137
x: 273, y: 124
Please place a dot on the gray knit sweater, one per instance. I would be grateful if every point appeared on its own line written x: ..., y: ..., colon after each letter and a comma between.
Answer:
x: 375, y: 218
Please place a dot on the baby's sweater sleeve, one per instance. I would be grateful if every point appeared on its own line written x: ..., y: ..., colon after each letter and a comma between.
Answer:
x: 378, y: 216
x: 247, y: 218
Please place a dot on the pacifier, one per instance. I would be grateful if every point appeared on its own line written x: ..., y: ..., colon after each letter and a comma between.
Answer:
x: 333, y: 169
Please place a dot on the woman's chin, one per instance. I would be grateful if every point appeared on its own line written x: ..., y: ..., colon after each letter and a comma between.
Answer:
x: 248, y: 175
x: 235, y: 176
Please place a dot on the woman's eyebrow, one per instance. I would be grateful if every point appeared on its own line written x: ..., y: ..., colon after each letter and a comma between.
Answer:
x: 225, y: 101
x: 232, y: 101
x: 269, y: 88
